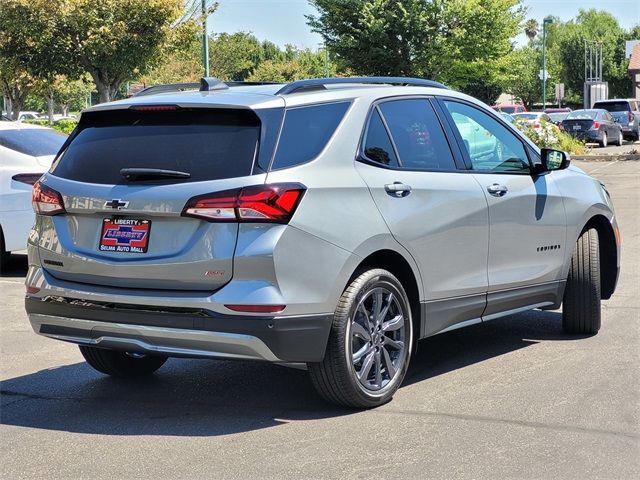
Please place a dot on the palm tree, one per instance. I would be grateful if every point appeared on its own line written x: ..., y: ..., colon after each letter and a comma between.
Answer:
x: 531, y: 29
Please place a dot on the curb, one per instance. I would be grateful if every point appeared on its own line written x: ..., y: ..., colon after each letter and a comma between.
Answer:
x: 607, y: 157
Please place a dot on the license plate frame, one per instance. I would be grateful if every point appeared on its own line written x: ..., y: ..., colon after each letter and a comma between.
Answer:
x: 577, y: 127
x: 124, y: 235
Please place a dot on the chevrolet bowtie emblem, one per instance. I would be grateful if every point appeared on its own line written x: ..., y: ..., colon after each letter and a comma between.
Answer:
x: 116, y: 204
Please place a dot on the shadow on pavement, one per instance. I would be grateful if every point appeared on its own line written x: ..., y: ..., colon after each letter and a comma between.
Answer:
x: 209, y: 398
x: 16, y: 266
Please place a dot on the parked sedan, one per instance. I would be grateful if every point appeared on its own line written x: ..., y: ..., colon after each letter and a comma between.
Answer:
x: 26, y: 152
x: 594, y: 125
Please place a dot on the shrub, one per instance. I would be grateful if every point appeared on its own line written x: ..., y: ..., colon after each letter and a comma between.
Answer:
x: 64, y: 126
x: 550, y: 136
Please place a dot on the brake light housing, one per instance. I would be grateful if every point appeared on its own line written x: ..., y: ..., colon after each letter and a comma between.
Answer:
x: 45, y: 200
x: 271, y: 203
x: 596, y: 125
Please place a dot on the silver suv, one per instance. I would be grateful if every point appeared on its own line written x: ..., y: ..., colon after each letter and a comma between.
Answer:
x: 331, y: 223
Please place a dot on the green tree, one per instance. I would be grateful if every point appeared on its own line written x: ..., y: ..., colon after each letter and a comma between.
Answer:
x: 447, y: 40
x: 301, y: 64
x: 522, y: 79
x: 116, y: 40
x: 234, y: 56
x: 531, y: 29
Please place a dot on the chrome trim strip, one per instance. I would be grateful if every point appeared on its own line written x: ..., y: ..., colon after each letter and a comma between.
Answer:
x: 158, y: 340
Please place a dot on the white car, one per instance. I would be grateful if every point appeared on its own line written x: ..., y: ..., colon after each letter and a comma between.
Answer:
x: 26, y: 152
x: 28, y: 116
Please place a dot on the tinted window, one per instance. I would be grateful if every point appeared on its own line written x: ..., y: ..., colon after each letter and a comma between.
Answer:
x: 207, y: 144
x: 417, y: 135
x: 526, y: 116
x: 32, y: 141
x: 377, y: 146
x: 491, y: 146
x: 613, y: 106
x: 306, y: 131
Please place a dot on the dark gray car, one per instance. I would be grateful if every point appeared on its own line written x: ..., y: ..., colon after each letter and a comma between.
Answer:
x: 594, y: 125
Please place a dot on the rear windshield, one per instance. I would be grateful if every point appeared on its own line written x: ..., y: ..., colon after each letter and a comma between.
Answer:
x: 506, y: 109
x: 582, y: 115
x: 613, y: 106
x: 32, y: 141
x: 208, y: 144
x: 526, y: 116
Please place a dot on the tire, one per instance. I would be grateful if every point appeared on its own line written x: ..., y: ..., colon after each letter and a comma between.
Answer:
x: 581, y: 303
x: 4, y: 255
x: 121, y: 364
x: 603, y: 142
x: 620, y: 139
x: 382, y: 358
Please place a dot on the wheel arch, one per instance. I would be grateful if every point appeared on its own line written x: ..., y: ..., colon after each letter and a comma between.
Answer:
x: 400, y: 267
x: 608, y: 250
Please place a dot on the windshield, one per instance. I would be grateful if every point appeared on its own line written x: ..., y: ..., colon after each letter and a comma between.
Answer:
x: 582, y: 115
x: 613, y: 106
x: 32, y: 141
x: 506, y: 109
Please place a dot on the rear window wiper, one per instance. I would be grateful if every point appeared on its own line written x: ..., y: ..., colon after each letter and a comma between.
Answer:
x: 141, y: 174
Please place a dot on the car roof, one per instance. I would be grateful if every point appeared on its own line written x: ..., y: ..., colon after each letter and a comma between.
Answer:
x: 20, y: 126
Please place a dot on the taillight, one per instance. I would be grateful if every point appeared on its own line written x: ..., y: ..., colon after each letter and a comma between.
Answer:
x: 45, y: 200
x: 28, y: 178
x: 260, y: 203
x: 596, y: 125
x: 536, y: 125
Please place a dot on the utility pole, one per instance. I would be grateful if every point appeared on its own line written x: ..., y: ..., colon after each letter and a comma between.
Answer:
x: 326, y: 60
x: 545, y: 22
x: 205, y: 39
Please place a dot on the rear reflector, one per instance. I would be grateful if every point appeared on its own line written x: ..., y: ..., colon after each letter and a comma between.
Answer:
x: 256, y: 308
x: 28, y: 178
x: 45, y: 200
x: 260, y: 203
x: 32, y: 290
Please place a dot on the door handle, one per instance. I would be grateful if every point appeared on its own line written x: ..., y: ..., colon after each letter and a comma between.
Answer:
x: 398, y: 189
x: 497, y: 190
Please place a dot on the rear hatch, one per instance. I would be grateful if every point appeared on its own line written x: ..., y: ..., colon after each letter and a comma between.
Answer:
x: 125, y: 178
x: 618, y: 110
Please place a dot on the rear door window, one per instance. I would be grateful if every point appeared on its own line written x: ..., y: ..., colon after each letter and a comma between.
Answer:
x: 32, y: 141
x: 377, y: 145
x: 208, y: 144
x: 305, y: 133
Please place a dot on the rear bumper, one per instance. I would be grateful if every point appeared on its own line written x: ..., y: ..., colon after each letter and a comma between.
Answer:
x: 180, y: 332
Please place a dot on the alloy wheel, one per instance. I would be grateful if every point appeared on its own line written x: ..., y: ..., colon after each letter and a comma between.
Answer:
x: 378, y: 339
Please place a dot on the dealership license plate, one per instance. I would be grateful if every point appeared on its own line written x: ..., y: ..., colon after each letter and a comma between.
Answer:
x: 124, y: 235
x: 577, y: 127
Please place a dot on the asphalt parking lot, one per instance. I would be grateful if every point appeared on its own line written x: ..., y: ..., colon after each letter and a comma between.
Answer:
x: 511, y: 398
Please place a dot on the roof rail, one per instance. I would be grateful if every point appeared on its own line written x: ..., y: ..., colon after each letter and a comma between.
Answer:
x: 207, y: 84
x: 169, y: 87
x: 320, y: 83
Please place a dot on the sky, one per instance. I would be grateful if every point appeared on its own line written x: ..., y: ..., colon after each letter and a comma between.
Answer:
x: 283, y: 21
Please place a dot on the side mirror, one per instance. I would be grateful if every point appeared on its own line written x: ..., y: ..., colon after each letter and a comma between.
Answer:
x: 554, y: 159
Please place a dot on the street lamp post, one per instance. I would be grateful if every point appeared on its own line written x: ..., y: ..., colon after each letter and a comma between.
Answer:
x: 205, y: 39
x: 545, y: 22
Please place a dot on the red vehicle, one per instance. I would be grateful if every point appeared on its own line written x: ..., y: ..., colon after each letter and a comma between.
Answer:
x: 509, y: 108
